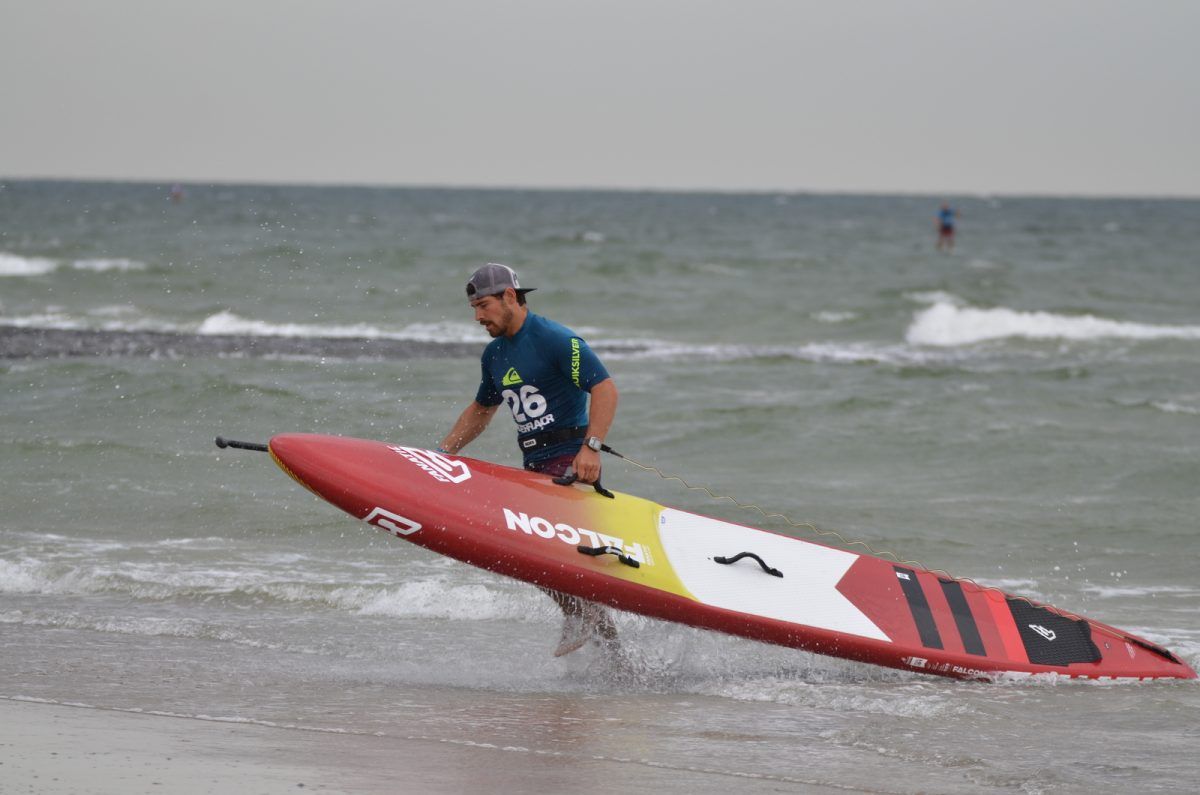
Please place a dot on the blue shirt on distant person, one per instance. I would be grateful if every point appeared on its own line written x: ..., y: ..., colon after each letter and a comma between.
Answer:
x: 946, y: 218
x: 542, y: 373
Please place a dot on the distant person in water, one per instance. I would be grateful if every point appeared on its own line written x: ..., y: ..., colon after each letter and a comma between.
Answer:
x: 176, y: 193
x: 945, y: 227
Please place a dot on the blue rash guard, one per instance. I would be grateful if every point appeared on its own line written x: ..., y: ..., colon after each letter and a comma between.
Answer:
x: 542, y: 373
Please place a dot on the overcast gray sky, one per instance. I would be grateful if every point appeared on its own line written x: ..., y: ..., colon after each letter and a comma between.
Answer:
x: 1056, y: 96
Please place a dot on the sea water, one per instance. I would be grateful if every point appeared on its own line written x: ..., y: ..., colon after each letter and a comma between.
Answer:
x: 1024, y: 411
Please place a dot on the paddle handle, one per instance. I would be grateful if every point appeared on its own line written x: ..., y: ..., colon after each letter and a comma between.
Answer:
x: 222, y: 442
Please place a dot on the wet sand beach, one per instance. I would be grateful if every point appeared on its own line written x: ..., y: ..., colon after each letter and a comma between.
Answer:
x: 55, y: 749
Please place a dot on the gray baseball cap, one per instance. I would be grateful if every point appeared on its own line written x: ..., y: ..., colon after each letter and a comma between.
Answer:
x: 494, y: 279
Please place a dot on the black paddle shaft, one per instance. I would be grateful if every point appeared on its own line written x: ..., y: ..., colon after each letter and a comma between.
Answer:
x: 222, y: 442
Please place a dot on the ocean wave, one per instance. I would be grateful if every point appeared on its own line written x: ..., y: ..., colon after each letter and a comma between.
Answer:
x: 904, y: 700
x: 53, y: 334
x: 22, y: 340
x: 163, y: 627
x: 118, y: 318
x: 898, y: 355
x: 435, y: 597
x: 105, y: 318
x: 946, y: 324
x: 830, y: 316
x: 33, y: 576
x: 936, y: 338
x: 21, y: 578
x: 44, y: 320
x: 103, y: 265
x: 17, y: 265
x: 935, y: 297
x: 14, y: 265
x: 440, y: 599
x: 1189, y: 404
x: 228, y: 323
x: 1111, y: 591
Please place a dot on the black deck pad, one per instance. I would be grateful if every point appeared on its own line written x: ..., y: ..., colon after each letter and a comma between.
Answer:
x: 1051, y: 639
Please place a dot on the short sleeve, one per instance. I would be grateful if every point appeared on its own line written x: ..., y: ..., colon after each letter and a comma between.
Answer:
x: 487, y: 394
x: 579, y: 363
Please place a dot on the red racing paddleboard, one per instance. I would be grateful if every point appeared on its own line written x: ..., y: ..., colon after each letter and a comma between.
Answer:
x: 658, y: 561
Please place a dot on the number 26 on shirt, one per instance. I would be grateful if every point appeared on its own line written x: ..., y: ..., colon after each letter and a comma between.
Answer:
x: 526, y: 405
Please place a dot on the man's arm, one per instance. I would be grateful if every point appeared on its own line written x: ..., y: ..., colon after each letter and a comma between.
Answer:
x: 600, y: 419
x: 470, y: 424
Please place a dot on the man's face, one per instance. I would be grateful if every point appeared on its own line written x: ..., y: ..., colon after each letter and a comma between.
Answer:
x: 495, y: 312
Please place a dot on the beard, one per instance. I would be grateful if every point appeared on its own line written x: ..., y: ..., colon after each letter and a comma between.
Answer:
x: 498, y: 330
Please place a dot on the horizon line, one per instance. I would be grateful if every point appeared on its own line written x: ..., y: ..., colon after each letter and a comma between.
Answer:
x: 882, y: 193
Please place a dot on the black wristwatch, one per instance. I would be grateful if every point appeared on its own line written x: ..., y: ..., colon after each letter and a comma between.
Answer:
x: 595, y: 443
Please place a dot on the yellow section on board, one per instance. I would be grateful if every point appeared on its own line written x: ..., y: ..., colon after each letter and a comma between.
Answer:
x: 634, y: 522
x: 511, y: 378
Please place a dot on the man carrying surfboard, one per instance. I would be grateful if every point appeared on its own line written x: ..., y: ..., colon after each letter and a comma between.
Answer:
x: 544, y: 373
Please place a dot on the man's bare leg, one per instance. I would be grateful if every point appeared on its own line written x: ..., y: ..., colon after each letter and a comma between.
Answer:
x: 582, y: 621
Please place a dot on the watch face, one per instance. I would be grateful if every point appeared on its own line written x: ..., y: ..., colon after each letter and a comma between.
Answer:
x: 595, y: 443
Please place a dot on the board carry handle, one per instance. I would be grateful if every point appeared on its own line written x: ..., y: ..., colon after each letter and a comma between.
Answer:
x: 567, y: 480
x: 222, y: 442
x: 740, y: 555
x: 621, y: 556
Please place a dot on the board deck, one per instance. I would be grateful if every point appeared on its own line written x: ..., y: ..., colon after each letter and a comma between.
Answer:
x: 829, y: 601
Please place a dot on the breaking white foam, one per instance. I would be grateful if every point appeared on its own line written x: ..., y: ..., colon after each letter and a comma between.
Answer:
x: 834, y: 317
x: 1111, y: 591
x: 102, y: 265
x: 1185, y: 404
x: 21, y: 577
x: 935, y: 297
x: 439, y: 598
x: 898, y: 355
x: 946, y: 325
x: 430, y: 597
x: 226, y: 322
x: 15, y: 265
x: 46, y: 320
